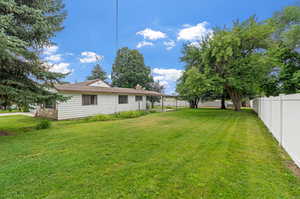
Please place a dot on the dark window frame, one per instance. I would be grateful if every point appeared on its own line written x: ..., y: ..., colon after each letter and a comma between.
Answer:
x: 49, y: 104
x: 123, y: 99
x: 138, y: 98
x: 89, y: 100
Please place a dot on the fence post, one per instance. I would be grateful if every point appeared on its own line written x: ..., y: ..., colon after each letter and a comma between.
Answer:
x: 271, y: 114
x: 259, y: 107
x: 281, y: 118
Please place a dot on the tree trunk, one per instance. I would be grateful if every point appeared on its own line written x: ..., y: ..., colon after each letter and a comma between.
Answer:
x: 152, y: 104
x: 235, y: 97
x: 223, y: 106
x: 193, y: 103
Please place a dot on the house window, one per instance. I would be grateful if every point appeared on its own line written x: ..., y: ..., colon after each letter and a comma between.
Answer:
x: 50, y: 104
x: 89, y: 100
x: 138, y: 98
x: 123, y: 99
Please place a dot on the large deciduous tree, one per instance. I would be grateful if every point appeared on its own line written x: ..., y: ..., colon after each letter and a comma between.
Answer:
x: 236, y: 57
x: 97, y: 73
x: 26, y: 27
x: 130, y: 70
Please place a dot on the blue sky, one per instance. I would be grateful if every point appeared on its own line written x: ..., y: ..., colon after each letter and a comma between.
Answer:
x: 158, y: 28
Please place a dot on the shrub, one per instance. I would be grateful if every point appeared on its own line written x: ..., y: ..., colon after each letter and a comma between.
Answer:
x: 43, y: 124
x: 120, y: 115
x: 101, y: 118
x: 130, y: 114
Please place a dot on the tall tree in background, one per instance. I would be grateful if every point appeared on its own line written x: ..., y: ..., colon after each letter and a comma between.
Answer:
x: 193, y: 86
x: 193, y: 58
x: 287, y: 26
x: 285, y: 54
x: 26, y: 27
x: 129, y: 70
x: 97, y: 73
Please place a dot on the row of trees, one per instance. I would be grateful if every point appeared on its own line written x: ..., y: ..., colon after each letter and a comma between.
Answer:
x: 251, y: 58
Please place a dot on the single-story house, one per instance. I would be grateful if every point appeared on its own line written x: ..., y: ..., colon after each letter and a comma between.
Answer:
x: 94, y: 97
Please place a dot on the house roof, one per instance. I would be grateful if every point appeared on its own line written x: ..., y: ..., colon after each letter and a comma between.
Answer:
x: 89, y: 82
x: 84, y: 88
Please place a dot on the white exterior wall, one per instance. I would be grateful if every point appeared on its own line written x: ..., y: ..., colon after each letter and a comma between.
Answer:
x: 106, y: 104
x: 168, y: 101
x: 281, y: 115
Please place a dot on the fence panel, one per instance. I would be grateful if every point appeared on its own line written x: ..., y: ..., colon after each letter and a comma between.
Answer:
x: 281, y: 115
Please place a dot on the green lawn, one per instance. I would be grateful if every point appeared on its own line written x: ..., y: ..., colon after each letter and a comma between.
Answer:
x: 203, y: 153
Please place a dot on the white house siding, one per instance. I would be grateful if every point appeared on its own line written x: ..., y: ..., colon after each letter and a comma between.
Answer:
x: 171, y: 101
x: 106, y: 104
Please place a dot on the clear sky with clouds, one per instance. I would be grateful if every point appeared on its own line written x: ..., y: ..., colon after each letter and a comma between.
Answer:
x: 157, y: 28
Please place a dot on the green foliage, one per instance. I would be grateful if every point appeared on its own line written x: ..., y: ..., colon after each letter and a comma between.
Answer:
x: 236, y: 57
x: 26, y: 27
x: 102, y: 117
x: 97, y: 73
x: 129, y: 70
x: 130, y: 114
x: 285, y: 76
x: 287, y: 24
x: 43, y: 124
x: 120, y: 115
x: 193, y: 85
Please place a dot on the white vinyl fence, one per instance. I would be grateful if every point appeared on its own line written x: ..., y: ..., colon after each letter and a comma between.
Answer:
x: 282, y: 117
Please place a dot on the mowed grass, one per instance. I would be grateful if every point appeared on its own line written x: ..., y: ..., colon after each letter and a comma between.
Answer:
x: 205, y: 153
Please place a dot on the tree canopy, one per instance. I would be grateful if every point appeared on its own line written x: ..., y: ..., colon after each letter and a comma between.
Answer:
x: 193, y: 86
x: 130, y: 70
x: 251, y: 58
x: 97, y: 73
x: 26, y: 28
x: 233, y: 58
x: 284, y: 78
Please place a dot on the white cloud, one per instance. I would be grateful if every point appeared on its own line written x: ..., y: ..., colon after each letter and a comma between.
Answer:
x: 192, y: 33
x: 60, y: 68
x: 144, y: 43
x: 54, y: 58
x: 152, y: 34
x: 90, y: 57
x: 163, y: 83
x: 166, y: 74
x: 169, y: 44
x: 50, y: 50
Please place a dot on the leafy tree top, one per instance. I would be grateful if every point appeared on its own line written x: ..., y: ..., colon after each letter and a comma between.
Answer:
x: 130, y: 70
x: 97, y: 73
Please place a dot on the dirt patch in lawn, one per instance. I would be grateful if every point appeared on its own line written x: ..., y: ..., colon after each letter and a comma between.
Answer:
x: 5, y: 133
x: 294, y: 168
